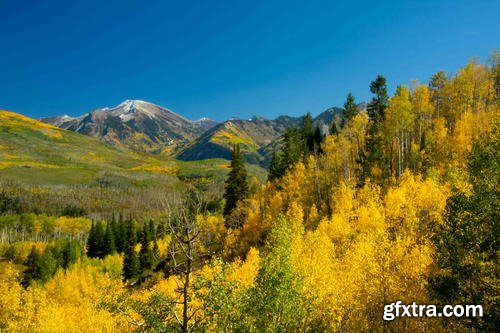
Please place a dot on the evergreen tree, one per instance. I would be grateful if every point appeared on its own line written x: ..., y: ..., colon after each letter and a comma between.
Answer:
x: 333, y: 128
x: 120, y: 233
x: 33, y: 267
x: 236, y: 183
x: 146, y: 254
x: 318, y: 139
x: 92, y: 243
x: 373, y: 157
x: 130, y: 260
x: 108, y: 241
x: 350, y: 109
x: 308, y: 134
x: 276, y: 166
x: 379, y: 102
x: 99, y: 240
x: 292, y: 149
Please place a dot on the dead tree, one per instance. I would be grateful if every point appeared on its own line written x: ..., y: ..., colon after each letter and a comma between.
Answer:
x: 185, y: 254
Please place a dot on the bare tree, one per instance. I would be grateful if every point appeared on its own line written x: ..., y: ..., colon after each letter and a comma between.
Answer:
x: 186, y: 254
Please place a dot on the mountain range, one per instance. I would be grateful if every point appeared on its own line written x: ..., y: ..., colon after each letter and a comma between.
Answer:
x: 36, y: 153
x: 147, y: 127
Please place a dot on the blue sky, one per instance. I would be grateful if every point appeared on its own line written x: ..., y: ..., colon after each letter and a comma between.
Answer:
x: 221, y: 59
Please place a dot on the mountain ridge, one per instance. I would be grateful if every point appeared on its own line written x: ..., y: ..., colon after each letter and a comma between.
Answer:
x: 143, y: 126
x: 136, y: 124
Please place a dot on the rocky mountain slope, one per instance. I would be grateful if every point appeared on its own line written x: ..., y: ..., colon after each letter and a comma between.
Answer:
x: 257, y: 137
x: 136, y: 124
x: 250, y: 134
x: 143, y: 126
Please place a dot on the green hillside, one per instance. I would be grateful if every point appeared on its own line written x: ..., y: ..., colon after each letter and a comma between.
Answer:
x: 37, y: 153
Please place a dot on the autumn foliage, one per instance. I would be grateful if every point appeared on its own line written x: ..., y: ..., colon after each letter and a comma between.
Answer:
x: 323, y: 246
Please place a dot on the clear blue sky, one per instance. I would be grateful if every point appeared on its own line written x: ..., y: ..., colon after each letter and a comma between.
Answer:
x: 228, y: 58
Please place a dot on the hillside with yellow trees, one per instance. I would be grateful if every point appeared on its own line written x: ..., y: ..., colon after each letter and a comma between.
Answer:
x: 398, y: 202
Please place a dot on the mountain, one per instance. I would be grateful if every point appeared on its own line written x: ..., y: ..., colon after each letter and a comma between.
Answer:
x: 251, y: 135
x: 146, y: 127
x: 135, y: 124
x: 258, y: 137
x: 35, y: 151
x: 38, y: 153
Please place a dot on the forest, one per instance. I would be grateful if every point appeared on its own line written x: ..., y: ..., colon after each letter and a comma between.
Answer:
x: 398, y: 201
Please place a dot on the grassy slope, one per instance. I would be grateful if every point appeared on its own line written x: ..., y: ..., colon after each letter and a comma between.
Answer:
x: 37, y: 153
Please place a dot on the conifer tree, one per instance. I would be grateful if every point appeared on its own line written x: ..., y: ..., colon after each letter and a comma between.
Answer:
x: 99, y: 240
x: 350, y: 109
x: 377, y: 106
x: 130, y: 261
x: 292, y: 149
x: 236, y: 183
x: 373, y: 155
x: 92, y: 242
x: 146, y: 254
x: 333, y: 128
x: 108, y: 241
x: 308, y: 134
x: 276, y: 166
x: 120, y: 234
x: 33, y: 267
x: 318, y: 138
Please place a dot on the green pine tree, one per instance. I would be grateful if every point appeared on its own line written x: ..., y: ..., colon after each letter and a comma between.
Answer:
x: 146, y: 254
x: 293, y: 148
x: 276, y: 166
x: 99, y: 240
x: 333, y: 128
x: 92, y: 242
x: 318, y: 139
x: 33, y: 267
x: 376, y: 108
x: 130, y: 260
x: 108, y: 240
x: 350, y: 109
x: 373, y: 156
x: 236, y: 183
x: 307, y: 130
